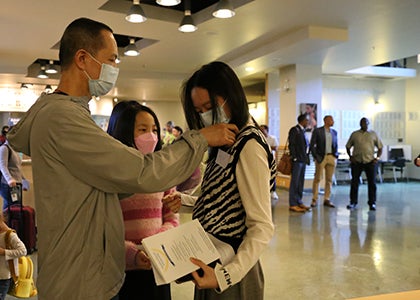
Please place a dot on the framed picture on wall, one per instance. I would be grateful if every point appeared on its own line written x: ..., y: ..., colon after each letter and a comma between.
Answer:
x: 311, y: 110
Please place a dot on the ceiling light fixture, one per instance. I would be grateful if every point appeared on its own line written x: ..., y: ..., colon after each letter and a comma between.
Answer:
x: 25, y: 85
x: 131, y: 49
x: 136, y: 13
x: 51, y: 69
x: 42, y: 74
x: 224, y: 10
x: 187, y: 23
x: 48, y: 88
x: 168, y: 2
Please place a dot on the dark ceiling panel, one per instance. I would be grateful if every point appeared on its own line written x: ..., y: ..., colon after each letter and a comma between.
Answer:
x: 195, y: 5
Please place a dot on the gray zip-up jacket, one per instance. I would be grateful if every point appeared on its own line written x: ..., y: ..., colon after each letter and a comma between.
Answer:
x: 78, y: 171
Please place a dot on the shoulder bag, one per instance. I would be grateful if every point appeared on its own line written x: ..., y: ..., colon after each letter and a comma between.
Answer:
x: 285, y: 164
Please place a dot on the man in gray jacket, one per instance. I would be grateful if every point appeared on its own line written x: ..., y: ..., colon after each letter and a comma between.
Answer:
x: 78, y: 170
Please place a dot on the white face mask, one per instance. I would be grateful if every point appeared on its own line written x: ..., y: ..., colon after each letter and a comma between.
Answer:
x: 221, y: 117
x: 105, y: 82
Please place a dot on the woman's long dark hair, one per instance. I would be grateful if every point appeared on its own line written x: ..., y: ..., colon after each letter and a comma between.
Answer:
x: 219, y: 80
x: 123, y: 121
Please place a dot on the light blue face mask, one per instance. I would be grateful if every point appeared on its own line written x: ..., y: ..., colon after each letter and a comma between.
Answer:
x: 105, y: 82
x: 221, y: 117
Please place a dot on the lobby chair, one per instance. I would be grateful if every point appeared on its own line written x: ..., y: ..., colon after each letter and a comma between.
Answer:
x: 398, y: 166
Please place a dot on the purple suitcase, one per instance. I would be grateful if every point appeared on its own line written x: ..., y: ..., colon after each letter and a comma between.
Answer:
x: 22, y: 219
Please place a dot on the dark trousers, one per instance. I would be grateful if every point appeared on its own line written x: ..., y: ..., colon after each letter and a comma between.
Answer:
x: 297, y: 180
x: 356, y: 171
x: 5, y: 193
x: 4, y: 287
x: 140, y: 284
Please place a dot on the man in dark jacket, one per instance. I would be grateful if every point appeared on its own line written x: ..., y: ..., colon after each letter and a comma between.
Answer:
x: 325, y: 153
x: 298, y: 145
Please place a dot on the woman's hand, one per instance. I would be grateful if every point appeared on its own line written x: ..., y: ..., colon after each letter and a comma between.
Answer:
x: 143, y: 261
x: 208, y: 280
x: 172, y: 201
x: 12, y: 183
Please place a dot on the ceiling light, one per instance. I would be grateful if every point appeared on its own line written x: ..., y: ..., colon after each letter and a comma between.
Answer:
x: 187, y: 23
x: 42, y: 74
x: 223, y: 10
x: 25, y: 85
x: 48, y: 88
x: 51, y: 69
x: 136, y: 13
x: 131, y: 49
x: 168, y: 2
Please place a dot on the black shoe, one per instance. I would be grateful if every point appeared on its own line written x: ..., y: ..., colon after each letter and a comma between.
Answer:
x: 352, y: 206
x: 372, y: 207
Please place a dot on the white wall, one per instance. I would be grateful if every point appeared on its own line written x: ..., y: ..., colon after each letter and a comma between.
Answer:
x: 169, y: 111
x: 358, y: 95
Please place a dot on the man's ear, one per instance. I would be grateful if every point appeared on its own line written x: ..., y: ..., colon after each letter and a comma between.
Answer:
x: 80, y: 59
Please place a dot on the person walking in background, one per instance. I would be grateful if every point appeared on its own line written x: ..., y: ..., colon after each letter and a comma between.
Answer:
x: 364, y: 142
x: 271, y: 139
x: 137, y: 126
x: 272, y: 142
x: 230, y: 207
x: 177, y: 131
x: 324, y: 149
x: 298, y: 146
x: 4, y: 131
x: 11, y: 173
x: 79, y: 170
x: 168, y: 137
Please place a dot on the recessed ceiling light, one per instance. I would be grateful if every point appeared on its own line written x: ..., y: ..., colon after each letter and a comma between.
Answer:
x: 168, y: 2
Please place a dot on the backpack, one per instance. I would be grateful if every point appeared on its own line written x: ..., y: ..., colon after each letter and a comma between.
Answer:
x: 23, y: 286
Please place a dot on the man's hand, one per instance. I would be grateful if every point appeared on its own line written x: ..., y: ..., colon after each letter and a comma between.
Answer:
x: 208, y: 280
x: 172, y: 201
x: 220, y: 134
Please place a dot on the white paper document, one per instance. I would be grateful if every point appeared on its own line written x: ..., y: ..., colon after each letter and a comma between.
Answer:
x: 170, y: 251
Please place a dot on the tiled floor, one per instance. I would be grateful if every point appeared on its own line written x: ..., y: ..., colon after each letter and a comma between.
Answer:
x: 332, y: 253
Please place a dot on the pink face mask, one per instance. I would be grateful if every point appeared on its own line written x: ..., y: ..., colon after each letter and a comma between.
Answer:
x: 146, y: 143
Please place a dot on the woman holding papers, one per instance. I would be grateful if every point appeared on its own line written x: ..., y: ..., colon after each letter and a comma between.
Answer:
x: 137, y: 126
x: 234, y: 205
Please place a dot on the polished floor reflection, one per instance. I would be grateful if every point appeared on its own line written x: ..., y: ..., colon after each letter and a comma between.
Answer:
x: 334, y: 253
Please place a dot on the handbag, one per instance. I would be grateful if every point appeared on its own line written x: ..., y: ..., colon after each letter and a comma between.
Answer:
x: 285, y: 164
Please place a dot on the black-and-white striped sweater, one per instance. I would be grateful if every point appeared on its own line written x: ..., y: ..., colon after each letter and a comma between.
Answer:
x: 219, y: 207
